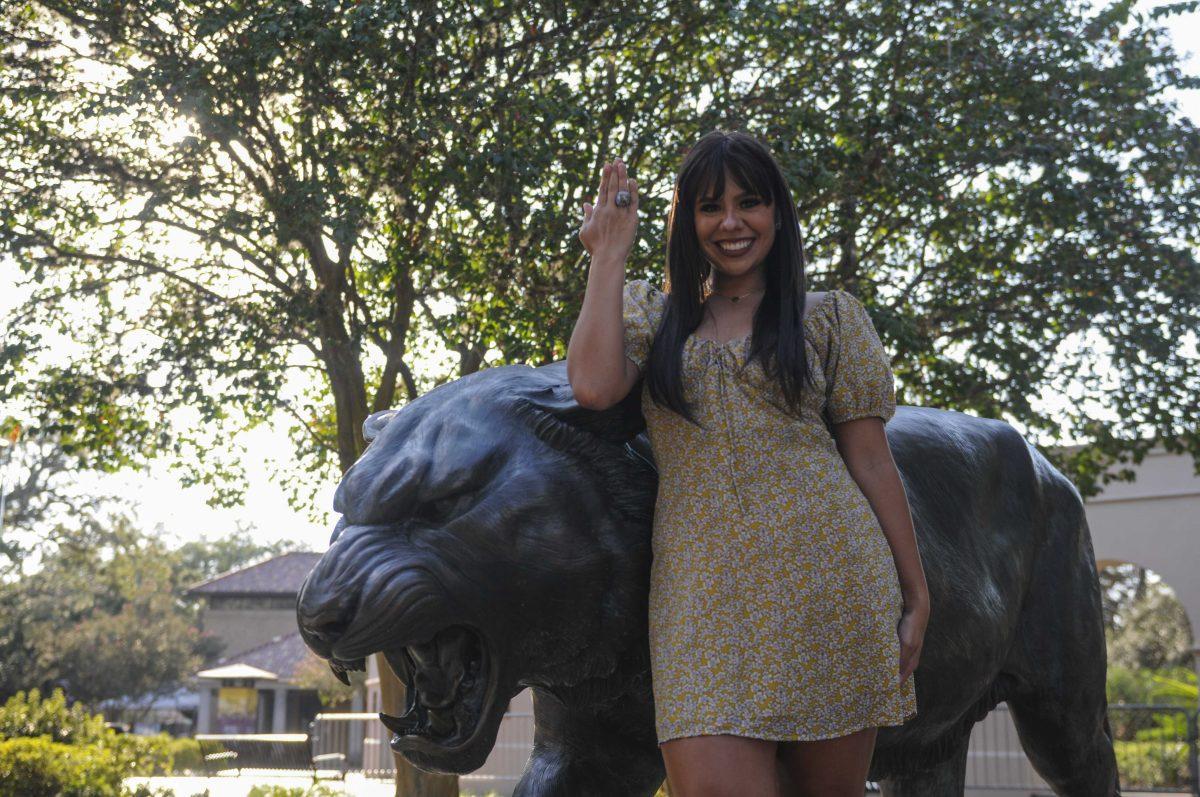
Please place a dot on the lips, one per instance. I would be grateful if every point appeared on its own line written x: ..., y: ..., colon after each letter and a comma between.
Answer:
x: 735, y: 246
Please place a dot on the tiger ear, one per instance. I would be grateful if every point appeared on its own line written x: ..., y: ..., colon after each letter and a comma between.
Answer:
x: 375, y: 422
x: 549, y: 390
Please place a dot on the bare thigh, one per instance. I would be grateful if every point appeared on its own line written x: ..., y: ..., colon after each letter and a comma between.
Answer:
x: 828, y: 767
x: 721, y: 765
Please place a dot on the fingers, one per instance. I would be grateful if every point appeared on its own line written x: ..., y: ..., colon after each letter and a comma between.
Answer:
x: 614, y: 176
x: 605, y: 173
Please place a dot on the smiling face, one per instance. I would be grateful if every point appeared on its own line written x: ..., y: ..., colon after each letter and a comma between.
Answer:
x: 736, y: 230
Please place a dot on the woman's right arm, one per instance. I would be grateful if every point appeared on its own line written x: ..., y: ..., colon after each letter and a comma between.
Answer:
x: 597, y: 368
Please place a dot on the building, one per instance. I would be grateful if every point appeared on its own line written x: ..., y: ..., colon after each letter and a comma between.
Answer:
x: 253, y: 687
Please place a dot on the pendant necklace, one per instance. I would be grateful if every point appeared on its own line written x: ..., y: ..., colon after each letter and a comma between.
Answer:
x: 738, y: 298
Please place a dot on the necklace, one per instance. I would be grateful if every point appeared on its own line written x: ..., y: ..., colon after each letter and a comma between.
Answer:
x: 734, y: 299
x: 739, y: 297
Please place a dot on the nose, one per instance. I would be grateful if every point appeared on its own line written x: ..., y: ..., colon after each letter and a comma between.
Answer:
x: 324, y: 615
x: 730, y: 220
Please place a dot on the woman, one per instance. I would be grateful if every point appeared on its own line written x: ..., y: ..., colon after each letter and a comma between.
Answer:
x: 787, y: 599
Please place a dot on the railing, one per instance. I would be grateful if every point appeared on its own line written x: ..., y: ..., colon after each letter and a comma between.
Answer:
x: 365, y: 742
x: 1156, y: 749
x: 234, y: 752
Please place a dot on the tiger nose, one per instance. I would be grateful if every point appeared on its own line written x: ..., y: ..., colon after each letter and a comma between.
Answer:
x: 324, y: 615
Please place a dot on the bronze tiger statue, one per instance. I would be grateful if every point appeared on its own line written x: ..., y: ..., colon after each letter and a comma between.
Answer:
x: 495, y: 535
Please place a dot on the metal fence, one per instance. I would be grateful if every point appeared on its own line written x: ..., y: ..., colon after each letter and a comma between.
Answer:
x: 1156, y: 749
x: 364, y: 741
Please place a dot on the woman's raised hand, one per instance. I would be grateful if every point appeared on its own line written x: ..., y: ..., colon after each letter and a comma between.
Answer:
x: 608, y: 231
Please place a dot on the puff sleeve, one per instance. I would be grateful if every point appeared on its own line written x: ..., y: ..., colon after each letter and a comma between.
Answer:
x: 642, y: 306
x: 858, y: 371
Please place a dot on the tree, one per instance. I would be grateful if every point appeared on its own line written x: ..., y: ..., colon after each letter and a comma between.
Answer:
x: 101, y: 618
x: 257, y: 191
x: 313, y: 673
x: 36, y: 487
x: 1146, y: 626
x: 200, y: 560
x: 343, y: 169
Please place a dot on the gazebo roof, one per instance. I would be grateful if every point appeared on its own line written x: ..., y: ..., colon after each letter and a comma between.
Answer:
x: 237, y: 671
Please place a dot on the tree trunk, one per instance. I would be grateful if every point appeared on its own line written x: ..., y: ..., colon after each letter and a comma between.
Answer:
x: 410, y: 781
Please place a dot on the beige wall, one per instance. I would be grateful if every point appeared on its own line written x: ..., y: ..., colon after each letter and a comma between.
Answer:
x: 242, y: 629
x: 1154, y: 522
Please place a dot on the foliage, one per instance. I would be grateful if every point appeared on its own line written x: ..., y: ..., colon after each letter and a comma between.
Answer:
x: 101, y: 618
x: 106, y: 615
x: 1180, y: 686
x: 42, y: 768
x: 1173, y: 687
x: 316, y: 790
x: 314, y: 673
x: 35, y: 475
x: 1146, y: 626
x: 28, y: 714
x: 280, y: 207
x: 31, y: 767
x: 1181, y: 691
x: 186, y: 756
x: 1152, y: 764
x: 143, y: 755
x: 200, y: 560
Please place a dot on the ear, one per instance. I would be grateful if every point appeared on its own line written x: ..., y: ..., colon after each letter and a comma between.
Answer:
x: 548, y: 389
x: 375, y: 422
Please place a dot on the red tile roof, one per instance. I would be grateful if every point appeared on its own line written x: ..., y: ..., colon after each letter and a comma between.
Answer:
x: 281, y: 575
x: 281, y: 656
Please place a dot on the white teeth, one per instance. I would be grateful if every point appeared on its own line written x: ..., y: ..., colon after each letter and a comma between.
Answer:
x: 736, y: 247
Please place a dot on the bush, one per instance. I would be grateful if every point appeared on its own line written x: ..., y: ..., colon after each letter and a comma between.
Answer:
x: 315, y: 790
x: 1152, y: 764
x: 29, y: 715
x: 141, y: 755
x: 42, y: 768
x: 186, y: 756
x: 30, y: 718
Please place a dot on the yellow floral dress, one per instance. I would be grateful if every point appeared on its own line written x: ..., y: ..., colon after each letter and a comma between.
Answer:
x: 774, y: 598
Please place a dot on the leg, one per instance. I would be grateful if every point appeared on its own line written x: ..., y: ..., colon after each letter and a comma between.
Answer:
x: 829, y: 767
x: 1069, y: 743
x: 720, y: 765
x: 947, y: 779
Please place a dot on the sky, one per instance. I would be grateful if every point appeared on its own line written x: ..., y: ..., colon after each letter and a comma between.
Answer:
x: 182, y: 514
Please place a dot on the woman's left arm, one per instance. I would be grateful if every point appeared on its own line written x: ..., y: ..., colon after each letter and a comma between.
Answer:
x: 864, y: 447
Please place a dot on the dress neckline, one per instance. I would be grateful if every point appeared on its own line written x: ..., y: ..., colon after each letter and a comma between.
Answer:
x: 741, y: 339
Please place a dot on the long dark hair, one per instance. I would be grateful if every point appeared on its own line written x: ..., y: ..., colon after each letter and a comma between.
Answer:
x: 777, y: 340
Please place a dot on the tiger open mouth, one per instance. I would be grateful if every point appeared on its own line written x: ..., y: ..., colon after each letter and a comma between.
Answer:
x: 448, y: 683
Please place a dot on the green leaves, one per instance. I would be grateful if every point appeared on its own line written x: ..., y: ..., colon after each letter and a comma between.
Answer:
x: 321, y: 209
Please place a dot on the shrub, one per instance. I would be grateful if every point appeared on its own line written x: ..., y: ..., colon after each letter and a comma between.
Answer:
x: 30, y: 717
x: 141, y: 755
x: 186, y: 755
x: 28, y: 714
x: 316, y: 790
x: 43, y: 768
x: 1151, y: 764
